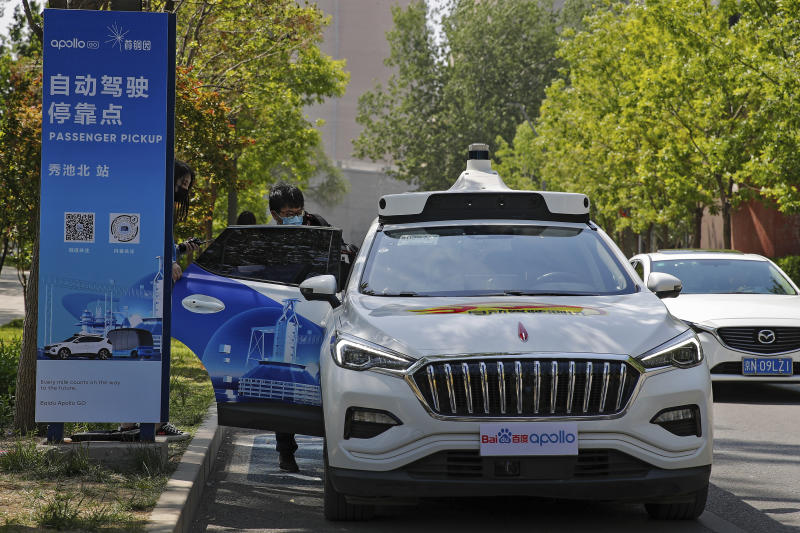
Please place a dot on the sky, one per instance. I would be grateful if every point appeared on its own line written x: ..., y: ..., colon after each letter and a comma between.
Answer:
x: 8, y: 10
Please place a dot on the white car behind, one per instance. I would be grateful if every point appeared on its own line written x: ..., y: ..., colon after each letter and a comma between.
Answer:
x: 744, y: 308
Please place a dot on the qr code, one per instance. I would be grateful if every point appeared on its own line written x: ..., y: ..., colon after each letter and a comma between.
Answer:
x: 124, y: 228
x: 78, y: 227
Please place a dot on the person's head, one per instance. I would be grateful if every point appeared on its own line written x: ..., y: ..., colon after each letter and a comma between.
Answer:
x: 184, y: 179
x: 286, y: 204
x: 245, y: 218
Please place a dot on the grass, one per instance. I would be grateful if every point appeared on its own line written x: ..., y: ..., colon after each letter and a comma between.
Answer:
x: 51, y: 491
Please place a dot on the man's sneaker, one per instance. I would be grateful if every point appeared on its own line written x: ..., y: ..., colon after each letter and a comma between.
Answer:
x: 172, y: 433
x: 287, y: 462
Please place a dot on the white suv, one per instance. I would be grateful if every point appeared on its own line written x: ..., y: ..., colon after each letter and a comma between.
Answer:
x: 487, y: 342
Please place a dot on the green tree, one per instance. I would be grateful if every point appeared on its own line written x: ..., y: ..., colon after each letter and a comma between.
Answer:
x: 264, y: 61
x: 669, y: 108
x: 485, y: 76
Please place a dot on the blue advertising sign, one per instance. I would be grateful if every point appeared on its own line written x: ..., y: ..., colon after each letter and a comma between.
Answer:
x: 106, y: 216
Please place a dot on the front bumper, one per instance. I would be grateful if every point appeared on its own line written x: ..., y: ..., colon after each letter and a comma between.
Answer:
x: 422, y: 435
x: 654, y: 484
x: 725, y: 364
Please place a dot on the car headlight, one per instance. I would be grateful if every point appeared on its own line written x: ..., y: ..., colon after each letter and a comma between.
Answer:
x: 357, y: 354
x: 683, y: 351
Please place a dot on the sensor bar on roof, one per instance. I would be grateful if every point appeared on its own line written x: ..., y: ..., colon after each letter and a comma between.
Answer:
x: 473, y: 205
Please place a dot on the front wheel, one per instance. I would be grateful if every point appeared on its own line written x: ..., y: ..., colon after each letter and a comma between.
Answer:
x: 680, y: 511
x: 336, y: 507
x: 63, y: 353
x: 103, y: 354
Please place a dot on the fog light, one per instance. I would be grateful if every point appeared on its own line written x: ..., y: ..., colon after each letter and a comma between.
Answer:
x: 364, y: 423
x: 682, y: 421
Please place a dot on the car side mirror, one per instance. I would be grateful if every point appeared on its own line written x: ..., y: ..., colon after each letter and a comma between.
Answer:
x: 320, y: 288
x: 664, y: 285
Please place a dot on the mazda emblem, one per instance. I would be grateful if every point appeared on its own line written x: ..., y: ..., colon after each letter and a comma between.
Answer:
x: 766, y: 336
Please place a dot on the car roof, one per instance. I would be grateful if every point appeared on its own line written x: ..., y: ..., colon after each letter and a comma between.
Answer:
x: 671, y: 255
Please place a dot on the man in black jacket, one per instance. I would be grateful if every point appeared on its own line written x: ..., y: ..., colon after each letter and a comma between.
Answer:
x: 287, y: 207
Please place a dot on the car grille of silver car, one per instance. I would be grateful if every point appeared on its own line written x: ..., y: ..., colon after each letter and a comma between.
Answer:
x: 752, y: 339
x: 541, y: 387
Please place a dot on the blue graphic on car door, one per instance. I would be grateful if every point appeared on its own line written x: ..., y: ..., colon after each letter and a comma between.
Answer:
x: 258, y: 339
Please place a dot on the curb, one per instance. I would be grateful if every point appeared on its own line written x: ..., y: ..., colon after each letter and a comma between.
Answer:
x: 178, y: 503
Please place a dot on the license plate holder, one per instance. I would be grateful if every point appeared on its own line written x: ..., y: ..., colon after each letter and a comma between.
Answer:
x: 767, y: 366
x: 528, y: 438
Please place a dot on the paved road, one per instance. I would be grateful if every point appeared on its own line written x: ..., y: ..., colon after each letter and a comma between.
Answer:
x: 12, y: 302
x: 755, y: 485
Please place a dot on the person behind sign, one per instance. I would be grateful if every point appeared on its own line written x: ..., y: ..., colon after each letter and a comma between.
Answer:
x: 182, y: 186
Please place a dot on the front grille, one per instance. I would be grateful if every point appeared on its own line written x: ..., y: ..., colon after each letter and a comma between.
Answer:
x: 526, y: 387
x: 588, y: 464
x: 735, y: 367
x: 746, y: 339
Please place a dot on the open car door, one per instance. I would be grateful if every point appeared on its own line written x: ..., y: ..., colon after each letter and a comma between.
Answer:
x: 239, y: 309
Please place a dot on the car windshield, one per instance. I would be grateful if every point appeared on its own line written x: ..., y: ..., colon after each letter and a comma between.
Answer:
x: 72, y: 338
x: 725, y: 276
x: 492, y: 260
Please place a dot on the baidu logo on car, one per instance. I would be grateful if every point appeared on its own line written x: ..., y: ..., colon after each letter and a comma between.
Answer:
x: 529, y: 438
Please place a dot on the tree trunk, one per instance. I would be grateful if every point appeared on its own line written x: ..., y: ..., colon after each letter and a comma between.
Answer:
x: 25, y: 405
x: 697, y: 226
x: 726, y: 225
x: 5, y: 253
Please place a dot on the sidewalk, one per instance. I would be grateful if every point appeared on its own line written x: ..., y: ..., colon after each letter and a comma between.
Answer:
x: 12, y: 300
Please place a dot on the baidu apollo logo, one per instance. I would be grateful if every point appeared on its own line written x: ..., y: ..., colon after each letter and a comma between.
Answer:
x: 74, y: 43
x: 529, y: 438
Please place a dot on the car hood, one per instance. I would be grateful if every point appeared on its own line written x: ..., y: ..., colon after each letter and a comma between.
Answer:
x: 716, y: 310
x: 627, y: 324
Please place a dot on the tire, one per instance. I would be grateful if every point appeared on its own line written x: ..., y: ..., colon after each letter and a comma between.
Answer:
x: 679, y: 511
x: 64, y: 353
x: 134, y: 353
x: 103, y: 354
x: 335, y: 505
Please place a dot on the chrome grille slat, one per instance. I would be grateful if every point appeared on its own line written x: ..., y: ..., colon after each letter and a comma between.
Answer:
x: 484, y: 387
x: 501, y: 385
x: 604, y: 391
x: 537, y: 374
x: 518, y: 381
x: 467, y: 386
x: 622, y: 375
x: 451, y: 391
x: 432, y: 384
x: 573, y: 387
x: 553, y: 385
x: 588, y: 388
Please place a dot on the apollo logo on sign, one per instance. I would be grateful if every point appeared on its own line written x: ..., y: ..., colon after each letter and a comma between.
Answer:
x: 74, y: 43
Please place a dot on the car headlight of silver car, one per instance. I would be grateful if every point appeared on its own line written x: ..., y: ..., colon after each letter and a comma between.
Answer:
x: 683, y: 351
x: 357, y: 354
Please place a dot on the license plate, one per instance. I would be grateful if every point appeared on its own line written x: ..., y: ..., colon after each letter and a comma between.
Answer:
x: 761, y: 366
x: 529, y: 438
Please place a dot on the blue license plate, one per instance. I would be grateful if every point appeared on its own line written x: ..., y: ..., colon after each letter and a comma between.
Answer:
x: 761, y: 366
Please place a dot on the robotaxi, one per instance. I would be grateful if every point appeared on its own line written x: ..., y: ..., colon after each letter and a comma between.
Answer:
x: 487, y: 342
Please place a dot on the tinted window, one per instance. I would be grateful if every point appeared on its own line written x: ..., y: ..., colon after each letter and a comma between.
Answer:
x: 492, y: 259
x: 639, y: 268
x: 725, y: 276
x: 274, y: 253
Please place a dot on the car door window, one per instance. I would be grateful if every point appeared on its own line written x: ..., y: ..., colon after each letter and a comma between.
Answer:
x: 639, y: 268
x: 286, y: 255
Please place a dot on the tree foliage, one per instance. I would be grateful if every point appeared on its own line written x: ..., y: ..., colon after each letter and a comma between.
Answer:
x: 669, y: 107
x: 263, y: 60
x: 487, y: 74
